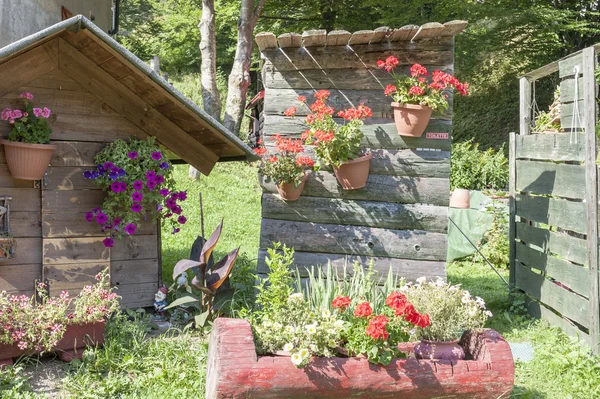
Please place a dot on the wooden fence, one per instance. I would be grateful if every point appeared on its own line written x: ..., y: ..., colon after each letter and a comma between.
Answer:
x: 400, y: 217
x: 554, y: 203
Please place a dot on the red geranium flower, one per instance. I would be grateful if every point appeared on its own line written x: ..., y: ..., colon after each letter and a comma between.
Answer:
x: 363, y: 310
x: 291, y: 111
x: 418, y: 70
x: 322, y: 94
x: 341, y: 302
x: 389, y: 90
x: 376, y: 328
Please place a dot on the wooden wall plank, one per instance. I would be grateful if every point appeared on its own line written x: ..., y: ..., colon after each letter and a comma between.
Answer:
x: 73, y: 201
x: 63, y: 251
x: 407, y: 190
x: 74, y: 224
x: 69, y: 178
x: 25, y: 224
x: 76, y: 153
x: 568, y: 118
x: 7, y: 181
x: 408, y: 268
x: 137, y: 295
x: 29, y: 251
x: 289, y: 40
x: 72, y: 277
x: 314, y: 38
x: 568, y: 215
x: 28, y: 66
x: 357, y: 213
x: 573, y: 276
x: 554, y: 147
x: 560, y: 244
x: 379, y: 132
x: 19, y: 278
x: 125, y: 272
x: 354, y: 240
x: 566, y: 65
x: 542, y: 312
x: 567, y: 90
x: 566, y: 303
x: 338, y: 38
x: 23, y: 199
x: 55, y: 79
x: 524, y: 106
x: 512, y: 178
x: 550, y: 178
x: 135, y: 247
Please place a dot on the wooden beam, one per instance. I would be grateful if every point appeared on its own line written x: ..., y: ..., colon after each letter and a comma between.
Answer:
x: 525, y: 105
x: 266, y: 40
x: 132, y: 107
x: 591, y: 188
x: 512, y: 205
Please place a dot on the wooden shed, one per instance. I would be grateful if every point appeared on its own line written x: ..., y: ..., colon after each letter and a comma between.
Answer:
x: 98, y: 92
x: 401, y: 217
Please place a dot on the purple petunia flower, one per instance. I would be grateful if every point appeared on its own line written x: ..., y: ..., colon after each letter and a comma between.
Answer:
x: 117, y: 222
x: 130, y: 228
x: 101, y: 169
x: 177, y: 210
x: 176, y: 230
x: 108, y: 242
x: 156, y: 155
x: 87, y: 174
x: 118, y: 187
x: 108, y: 165
x: 164, y: 192
x: 150, y: 175
x: 136, y: 196
x: 89, y: 216
x: 168, y: 215
x: 151, y: 185
x: 96, y: 210
x: 113, y: 175
x: 160, y: 179
x: 132, y: 154
x: 138, y: 185
x: 101, y: 218
x: 136, y: 208
x: 182, y: 196
x: 171, y: 203
x: 95, y: 174
x: 121, y: 172
x: 159, y: 207
x: 182, y: 219
x: 163, y: 165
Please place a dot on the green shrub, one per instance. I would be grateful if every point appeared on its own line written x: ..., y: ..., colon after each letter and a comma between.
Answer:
x: 474, y: 169
x: 495, y: 245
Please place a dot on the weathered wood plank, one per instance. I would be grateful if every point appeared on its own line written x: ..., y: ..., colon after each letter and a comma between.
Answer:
x: 569, y: 119
x: 19, y: 278
x: 287, y: 40
x: 550, y: 178
x: 566, y: 66
x: 74, y: 224
x: 55, y: 201
x: 68, y: 178
x: 125, y: 272
x: 341, y: 57
x: 554, y: 147
x: 354, y: 240
x: 540, y: 311
x: 566, y: 303
x: 512, y: 178
x: 408, y: 268
x: 116, y: 68
x: 137, y: 295
x: 560, y: 244
x: 430, y: 29
x: 6, y: 179
x: 277, y: 101
x: 75, y: 153
x: 380, y: 34
x: 404, y: 33
x: 23, y: 199
x: 63, y: 251
x: 135, y: 247
x: 524, y: 106
x: 28, y: 66
x: 134, y: 108
x: 567, y: 90
x: 453, y: 28
x: 72, y: 277
x: 568, y: 215
x: 25, y: 224
x: 338, y: 38
x: 360, y: 37
x: 379, y: 132
x: 266, y: 40
x: 357, y: 213
x: 55, y: 79
x: 573, y: 276
x: 29, y: 251
x: 314, y: 38
x: 96, y: 53
x: 406, y: 190
x: 349, y: 79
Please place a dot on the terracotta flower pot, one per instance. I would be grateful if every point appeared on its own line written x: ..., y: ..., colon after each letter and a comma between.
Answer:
x: 353, y: 174
x: 288, y: 192
x: 27, y: 161
x: 439, y: 350
x: 411, y: 119
x: 460, y: 199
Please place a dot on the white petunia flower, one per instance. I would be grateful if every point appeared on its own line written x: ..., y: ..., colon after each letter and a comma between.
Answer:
x: 473, y: 311
x: 297, y: 359
x: 332, y: 343
x: 480, y: 302
x: 288, y: 347
x: 304, y: 353
x: 421, y: 280
x: 311, y: 328
x: 297, y: 297
x: 277, y: 326
x: 339, y: 324
x: 267, y: 324
x: 326, y: 313
x: 488, y: 313
x: 466, y: 299
x: 289, y: 329
x: 313, y: 348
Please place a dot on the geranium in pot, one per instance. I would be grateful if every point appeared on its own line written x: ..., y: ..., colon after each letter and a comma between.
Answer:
x: 286, y: 166
x: 416, y: 98
x: 338, y: 146
x: 27, y: 147
x: 138, y: 181
x: 452, y: 311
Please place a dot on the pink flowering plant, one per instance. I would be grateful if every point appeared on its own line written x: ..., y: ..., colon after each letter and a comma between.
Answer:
x: 29, y: 125
x: 139, y: 184
x: 37, y: 327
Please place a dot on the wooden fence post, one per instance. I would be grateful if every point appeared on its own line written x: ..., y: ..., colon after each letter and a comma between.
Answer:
x: 512, y: 165
x: 591, y: 182
x: 525, y: 105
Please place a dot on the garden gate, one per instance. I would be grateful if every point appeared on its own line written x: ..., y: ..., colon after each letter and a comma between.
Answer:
x: 400, y: 217
x: 554, y: 202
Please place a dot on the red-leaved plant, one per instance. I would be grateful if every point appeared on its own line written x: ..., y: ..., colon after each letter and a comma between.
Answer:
x: 417, y: 89
x: 333, y: 143
x: 284, y: 165
x: 377, y: 335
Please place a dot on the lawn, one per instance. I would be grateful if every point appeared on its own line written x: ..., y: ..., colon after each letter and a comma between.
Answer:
x: 136, y: 364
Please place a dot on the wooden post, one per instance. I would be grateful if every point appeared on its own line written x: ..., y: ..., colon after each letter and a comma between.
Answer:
x: 155, y: 64
x: 512, y: 164
x: 591, y: 189
x: 525, y: 108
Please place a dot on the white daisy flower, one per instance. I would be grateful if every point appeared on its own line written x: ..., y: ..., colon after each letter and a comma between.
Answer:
x: 326, y: 313
x: 466, y: 299
x: 288, y: 347
x: 296, y: 359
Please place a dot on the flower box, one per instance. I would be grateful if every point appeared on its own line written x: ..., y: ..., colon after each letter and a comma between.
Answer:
x: 236, y: 371
x: 71, y: 346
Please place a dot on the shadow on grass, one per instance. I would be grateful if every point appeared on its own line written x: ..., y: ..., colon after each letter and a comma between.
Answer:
x: 520, y: 392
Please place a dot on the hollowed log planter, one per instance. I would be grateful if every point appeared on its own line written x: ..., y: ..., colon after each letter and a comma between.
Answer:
x: 235, y: 371
x: 70, y: 347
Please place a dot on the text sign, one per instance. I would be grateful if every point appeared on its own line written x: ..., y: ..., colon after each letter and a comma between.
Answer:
x: 436, y: 136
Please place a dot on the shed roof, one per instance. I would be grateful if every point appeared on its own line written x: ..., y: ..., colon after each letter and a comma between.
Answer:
x: 127, y: 84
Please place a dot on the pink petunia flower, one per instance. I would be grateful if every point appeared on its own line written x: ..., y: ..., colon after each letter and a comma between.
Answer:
x: 6, y: 114
x: 26, y: 95
x: 46, y: 113
x: 38, y: 112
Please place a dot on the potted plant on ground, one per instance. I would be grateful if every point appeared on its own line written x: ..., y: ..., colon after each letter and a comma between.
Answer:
x: 138, y: 180
x: 451, y: 311
x: 415, y: 99
x: 338, y: 146
x: 27, y: 147
x: 285, y: 166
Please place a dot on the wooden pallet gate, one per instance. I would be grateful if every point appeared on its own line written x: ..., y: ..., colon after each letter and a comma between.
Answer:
x: 400, y: 217
x: 554, y: 202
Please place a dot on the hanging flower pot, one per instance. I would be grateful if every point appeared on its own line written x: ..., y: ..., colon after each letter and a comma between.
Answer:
x: 27, y: 161
x: 439, y: 350
x: 290, y: 192
x: 411, y: 119
x: 353, y: 174
x: 460, y: 199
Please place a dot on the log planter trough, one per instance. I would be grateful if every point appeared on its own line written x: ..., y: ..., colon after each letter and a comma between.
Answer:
x: 70, y: 347
x: 236, y: 371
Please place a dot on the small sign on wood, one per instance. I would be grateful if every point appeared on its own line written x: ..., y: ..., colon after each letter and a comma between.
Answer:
x: 436, y: 136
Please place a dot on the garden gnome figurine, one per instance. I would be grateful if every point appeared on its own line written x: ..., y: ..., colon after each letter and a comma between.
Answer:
x: 160, y: 301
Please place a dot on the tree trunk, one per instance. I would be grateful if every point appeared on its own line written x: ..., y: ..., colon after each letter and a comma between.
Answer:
x: 239, y: 78
x: 211, y: 99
